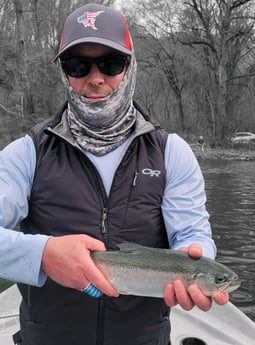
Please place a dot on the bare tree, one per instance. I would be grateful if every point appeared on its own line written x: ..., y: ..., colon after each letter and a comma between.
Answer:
x: 162, y: 58
x: 26, y: 103
x: 223, y: 31
x: 196, y: 61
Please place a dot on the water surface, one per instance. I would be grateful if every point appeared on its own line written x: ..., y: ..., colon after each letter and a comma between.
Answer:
x: 230, y: 187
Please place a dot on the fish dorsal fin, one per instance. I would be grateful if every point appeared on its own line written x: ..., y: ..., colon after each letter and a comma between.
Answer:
x: 130, y: 246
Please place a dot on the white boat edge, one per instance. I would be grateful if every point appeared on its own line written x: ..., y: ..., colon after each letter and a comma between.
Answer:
x: 222, y: 325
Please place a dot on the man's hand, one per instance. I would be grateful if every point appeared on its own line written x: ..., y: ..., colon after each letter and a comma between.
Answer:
x: 66, y: 260
x: 187, y: 296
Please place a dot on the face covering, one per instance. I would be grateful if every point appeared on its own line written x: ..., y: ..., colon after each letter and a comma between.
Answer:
x: 101, y: 126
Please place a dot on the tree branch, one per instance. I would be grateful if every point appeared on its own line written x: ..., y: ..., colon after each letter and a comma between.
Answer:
x: 8, y: 111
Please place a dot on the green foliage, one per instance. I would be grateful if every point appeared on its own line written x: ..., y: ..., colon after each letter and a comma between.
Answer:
x: 4, y: 284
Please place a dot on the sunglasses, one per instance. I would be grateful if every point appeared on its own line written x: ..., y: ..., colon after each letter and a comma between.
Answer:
x: 80, y: 66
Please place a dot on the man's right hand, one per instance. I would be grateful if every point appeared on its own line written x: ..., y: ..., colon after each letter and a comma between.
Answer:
x: 67, y: 260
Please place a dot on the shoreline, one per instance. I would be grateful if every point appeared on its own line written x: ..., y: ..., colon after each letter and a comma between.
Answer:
x: 235, y: 154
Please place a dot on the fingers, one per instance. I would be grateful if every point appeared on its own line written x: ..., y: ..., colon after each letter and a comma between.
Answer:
x: 194, y: 250
x: 200, y: 300
x: 220, y: 297
x: 67, y: 260
x: 93, y: 244
x: 97, y: 278
x: 169, y: 295
x: 92, y: 273
x: 177, y: 293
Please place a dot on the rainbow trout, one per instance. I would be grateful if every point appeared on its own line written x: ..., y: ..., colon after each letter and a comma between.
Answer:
x: 143, y: 271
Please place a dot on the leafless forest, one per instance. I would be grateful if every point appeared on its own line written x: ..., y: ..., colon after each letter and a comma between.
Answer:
x: 196, y: 64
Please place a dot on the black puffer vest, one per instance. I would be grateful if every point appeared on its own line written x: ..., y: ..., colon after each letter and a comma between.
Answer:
x: 68, y: 197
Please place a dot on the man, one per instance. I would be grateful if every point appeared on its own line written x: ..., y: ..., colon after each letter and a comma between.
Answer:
x: 201, y: 143
x: 97, y: 174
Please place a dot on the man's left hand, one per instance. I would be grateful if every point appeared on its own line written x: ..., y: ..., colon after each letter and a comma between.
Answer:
x: 188, y: 296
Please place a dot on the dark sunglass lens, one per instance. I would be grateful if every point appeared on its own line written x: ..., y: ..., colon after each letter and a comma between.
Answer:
x: 112, y: 65
x: 76, y: 67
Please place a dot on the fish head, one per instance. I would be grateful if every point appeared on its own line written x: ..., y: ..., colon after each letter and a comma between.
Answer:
x: 227, y: 282
x: 223, y: 281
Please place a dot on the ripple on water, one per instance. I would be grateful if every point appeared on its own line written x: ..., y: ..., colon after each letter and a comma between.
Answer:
x: 230, y: 191
x: 240, y: 296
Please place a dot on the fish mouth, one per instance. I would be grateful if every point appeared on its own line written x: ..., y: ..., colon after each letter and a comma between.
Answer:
x: 230, y: 285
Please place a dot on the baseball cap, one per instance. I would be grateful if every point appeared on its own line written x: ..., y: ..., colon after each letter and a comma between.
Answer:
x: 95, y: 23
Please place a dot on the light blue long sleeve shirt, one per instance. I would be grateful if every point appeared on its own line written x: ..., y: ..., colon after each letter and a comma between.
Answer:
x: 183, y: 205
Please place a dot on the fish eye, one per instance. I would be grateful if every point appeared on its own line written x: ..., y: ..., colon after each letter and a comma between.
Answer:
x: 221, y: 278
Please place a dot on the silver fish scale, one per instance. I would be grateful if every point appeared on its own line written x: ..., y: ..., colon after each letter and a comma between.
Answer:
x: 145, y: 271
x: 154, y: 259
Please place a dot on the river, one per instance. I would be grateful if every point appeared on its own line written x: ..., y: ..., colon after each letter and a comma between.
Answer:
x: 230, y: 187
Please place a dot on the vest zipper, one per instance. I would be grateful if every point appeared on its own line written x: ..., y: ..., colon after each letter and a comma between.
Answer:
x: 135, y: 178
x: 104, y: 221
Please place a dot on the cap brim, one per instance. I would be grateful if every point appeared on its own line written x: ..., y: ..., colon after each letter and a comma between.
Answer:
x: 97, y: 40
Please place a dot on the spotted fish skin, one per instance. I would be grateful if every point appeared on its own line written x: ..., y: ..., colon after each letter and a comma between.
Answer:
x: 144, y: 271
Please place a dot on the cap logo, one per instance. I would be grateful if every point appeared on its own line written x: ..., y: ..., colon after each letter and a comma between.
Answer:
x: 88, y: 19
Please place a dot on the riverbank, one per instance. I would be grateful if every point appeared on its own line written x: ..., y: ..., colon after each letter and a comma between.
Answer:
x: 4, y: 284
x: 238, y: 154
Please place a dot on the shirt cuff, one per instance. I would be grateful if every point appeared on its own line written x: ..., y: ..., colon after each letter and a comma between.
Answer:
x: 21, y: 256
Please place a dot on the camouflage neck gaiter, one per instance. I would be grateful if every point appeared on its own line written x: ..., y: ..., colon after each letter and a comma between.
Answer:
x: 100, y: 127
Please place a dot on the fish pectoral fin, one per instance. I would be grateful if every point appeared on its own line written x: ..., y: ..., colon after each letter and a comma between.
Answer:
x: 123, y: 292
x: 129, y: 246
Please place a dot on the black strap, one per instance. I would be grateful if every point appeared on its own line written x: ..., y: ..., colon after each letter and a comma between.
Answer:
x: 17, y: 338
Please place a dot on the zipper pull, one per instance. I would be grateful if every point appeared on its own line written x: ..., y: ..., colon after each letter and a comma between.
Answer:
x: 135, y: 178
x: 104, y: 218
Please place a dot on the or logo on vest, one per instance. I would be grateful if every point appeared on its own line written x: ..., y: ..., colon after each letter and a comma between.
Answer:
x: 88, y: 19
x: 151, y: 172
